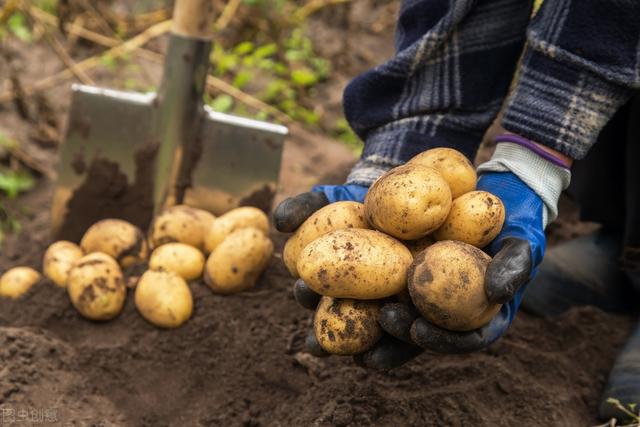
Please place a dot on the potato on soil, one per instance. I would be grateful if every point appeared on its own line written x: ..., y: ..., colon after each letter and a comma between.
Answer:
x: 184, y: 260
x: 16, y: 281
x: 446, y: 283
x: 59, y: 259
x: 117, y: 238
x: 454, y: 167
x: 235, y: 219
x: 237, y: 262
x: 355, y: 263
x: 164, y: 299
x: 336, y: 216
x: 96, y: 287
x: 475, y: 218
x: 347, y: 326
x: 182, y: 224
x: 408, y: 202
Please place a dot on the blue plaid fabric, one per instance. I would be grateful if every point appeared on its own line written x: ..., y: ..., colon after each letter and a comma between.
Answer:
x: 454, y: 64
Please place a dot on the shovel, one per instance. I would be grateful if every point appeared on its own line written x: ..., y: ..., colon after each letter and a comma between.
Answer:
x: 128, y: 155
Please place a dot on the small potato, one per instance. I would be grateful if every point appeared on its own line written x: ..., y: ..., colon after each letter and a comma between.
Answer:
x: 355, y: 263
x: 59, y: 259
x: 347, y: 326
x: 96, y: 287
x: 408, y: 202
x: 446, y: 283
x: 117, y: 238
x: 16, y: 281
x: 164, y: 299
x: 237, y: 262
x: 336, y: 216
x: 182, y: 224
x: 184, y: 260
x: 454, y: 167
x: 235, y: 219
x: 475, y: 218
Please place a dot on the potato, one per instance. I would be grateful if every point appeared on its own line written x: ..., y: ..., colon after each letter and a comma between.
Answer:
x: 96, y: 287
x: 164, y: 299
x: 184, y: 260
x: 336, y: 216
x: 233, y: 220
x: 454, y: 167
x: 475, y: 218
x: 117, y: 238
x: 408, y: 202
x: 355, y: 263
x: 237, y: 262
x: 16, y: 281
x: 347, y: 326
x: 446, y: 283
x: 182, y: 224
x: 58, y: 260
x: 417, y: 246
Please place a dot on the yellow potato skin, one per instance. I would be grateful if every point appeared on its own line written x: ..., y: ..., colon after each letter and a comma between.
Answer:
x: 117, y: 238
x: 454, y: 167
x: 237, y: 262
x: 182, y: 224
x: 16, y: 281
x: 235, y: 219
x: 408, y: 202
x: 336, y: 216
x: 96, y: 287
x: 355, y: 263
x: 475, y: 218
x: 179, y: 258
x: 347, y: 326
x: 59, y: 259
x: 164, y: 299
x: 446, y: 283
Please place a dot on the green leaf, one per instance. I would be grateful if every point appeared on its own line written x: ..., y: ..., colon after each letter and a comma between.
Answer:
x: 15, y: 182
x: 18, y: 26
x: 243, y: 48
x: 266, y: 51
x: 242, y: 78
x: 304, y: 77
x: 222, y: 103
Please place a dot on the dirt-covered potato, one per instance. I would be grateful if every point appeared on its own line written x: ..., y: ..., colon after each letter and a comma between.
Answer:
x: 235, y: 219
x: 237, y: 262
x: 408, y: 202
x: 16, y: 281
x: 184, y: 260
x: 417, y: 246
x: 164, y: 299
x: 182, y: 224
x: 117, y: 238
x: 475, y: 218
x: 454, y: 167
x: 96, y: 287
x: 336, y: 216
x: 446, y: 283
x: 58, y: 260
x: 355, y: 263
x: 347, y: 326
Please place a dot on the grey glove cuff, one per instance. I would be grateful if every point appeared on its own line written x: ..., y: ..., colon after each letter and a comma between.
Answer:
x: 368, y: 170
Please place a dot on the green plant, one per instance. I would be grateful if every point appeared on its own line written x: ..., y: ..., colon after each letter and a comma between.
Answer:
x: 631, y: 412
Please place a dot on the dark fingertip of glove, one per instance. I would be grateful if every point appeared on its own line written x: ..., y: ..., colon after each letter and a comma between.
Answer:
x: 396, y: 319
x: 292, y: 212
x: 509, y: 269
x: 434, y: 338
x: 388, y: 353
x: 305, y: 296
x: 312, y: 346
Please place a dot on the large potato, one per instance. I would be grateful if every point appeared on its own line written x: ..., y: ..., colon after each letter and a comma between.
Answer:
x: 408, y: 202
x: 475, y: 218
x: 346, y: 326
x: 16, y: 281
x: 117, y: 238
x: 96, y: 287
x: 236, y: 264
x: 446, y: 282
x: 184, y: 260
x: 182, y: 224
x: 454, y: 167
x: 355, y: 263
x: 246, y: 216
x: 58, y: 260
x: 336, y: 216
x: 164, y: 299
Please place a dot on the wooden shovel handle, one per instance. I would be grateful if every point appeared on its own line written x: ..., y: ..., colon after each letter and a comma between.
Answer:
x: 193, y: 18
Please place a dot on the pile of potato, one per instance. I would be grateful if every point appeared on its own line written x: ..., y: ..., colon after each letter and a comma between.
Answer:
x: 421, y: 228
x: 173, y: 253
